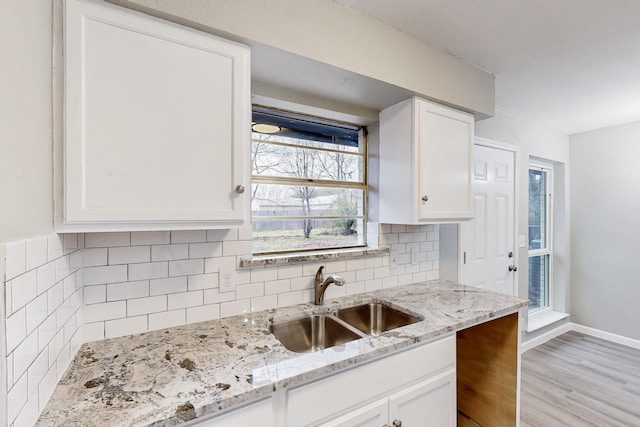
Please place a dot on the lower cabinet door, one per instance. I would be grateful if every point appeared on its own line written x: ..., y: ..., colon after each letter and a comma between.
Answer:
x: 375, y: 414
x: 255, y: 414
x: 430, y: 403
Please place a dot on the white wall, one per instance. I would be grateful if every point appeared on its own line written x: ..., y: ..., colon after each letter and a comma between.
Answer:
x: 605, y: 229
x: 25, y: 111
x: 536, y: 141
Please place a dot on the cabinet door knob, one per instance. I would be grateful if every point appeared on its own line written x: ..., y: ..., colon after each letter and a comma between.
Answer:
x: 425, y: 198
x: 239, y: 189
x: 513, y: 268
x: 396, y: 423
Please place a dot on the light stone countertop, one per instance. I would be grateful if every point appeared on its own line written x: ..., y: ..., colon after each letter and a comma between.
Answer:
x: 166, y: 377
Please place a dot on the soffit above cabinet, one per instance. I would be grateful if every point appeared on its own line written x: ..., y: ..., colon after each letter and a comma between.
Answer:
x: 359, y: 62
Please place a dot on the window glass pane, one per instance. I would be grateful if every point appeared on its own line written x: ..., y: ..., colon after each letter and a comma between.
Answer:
x: 286, y: 235
x: 537, y: 209
x: 297, y: 162
x: 292, y: 200
x: 538, y: 282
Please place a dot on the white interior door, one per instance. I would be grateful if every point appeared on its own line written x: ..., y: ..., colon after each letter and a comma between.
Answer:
x: 488, y: 245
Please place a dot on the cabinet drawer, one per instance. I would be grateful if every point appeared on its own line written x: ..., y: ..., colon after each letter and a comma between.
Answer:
x: 323, y: 398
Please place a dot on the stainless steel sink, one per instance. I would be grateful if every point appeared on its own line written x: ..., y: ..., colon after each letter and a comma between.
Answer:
x: 312, y: 333
x: 375, y: 318
x: 320, y: 331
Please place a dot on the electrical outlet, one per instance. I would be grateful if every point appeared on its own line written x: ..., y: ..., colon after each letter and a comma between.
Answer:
x: 227, y: 278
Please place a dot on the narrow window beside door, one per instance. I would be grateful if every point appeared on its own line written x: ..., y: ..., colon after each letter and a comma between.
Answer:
x: 540, y: 247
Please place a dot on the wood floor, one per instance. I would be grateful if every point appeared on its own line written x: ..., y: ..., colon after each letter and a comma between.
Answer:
x: 576, y: 380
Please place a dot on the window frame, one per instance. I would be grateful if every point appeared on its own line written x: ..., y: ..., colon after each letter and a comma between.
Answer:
x: 361, y: 185
x: 547, y: 251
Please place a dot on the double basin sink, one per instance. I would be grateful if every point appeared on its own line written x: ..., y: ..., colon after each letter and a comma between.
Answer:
x: 319, y: 331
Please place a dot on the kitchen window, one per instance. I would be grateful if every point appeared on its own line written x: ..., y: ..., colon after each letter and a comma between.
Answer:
x: 309, y: 188
x: 540, y: 238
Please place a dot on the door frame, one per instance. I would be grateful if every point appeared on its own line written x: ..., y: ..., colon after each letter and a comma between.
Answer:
x: 515, y: 150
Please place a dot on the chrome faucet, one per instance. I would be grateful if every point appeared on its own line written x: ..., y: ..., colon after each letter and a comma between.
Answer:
x: 321, y: 284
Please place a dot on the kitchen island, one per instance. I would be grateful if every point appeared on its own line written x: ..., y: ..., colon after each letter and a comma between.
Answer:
x: 174, y: 375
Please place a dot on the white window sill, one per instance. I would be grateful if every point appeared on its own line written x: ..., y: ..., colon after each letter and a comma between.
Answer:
x: 297, y: 257
x: 544, y: 318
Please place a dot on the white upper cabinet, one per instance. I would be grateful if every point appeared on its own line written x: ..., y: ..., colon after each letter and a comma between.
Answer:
x: 425, y: 163
x: 156, y: 124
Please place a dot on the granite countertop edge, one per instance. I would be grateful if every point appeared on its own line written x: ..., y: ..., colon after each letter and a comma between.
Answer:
x: 167, y: 377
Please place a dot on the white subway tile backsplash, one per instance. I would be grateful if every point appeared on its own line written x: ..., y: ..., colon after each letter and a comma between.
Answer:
x: 106, y: 240
x: 213, y: 296
x: 129, y: 255
x: 234, y: 308
x: 202, y: 281
x: 16, y: 259
x: 24, y: 354
x: 289, y: 271
x: 46, y: 387
x: 185, y: 299
x: 138, y: 306
x: 355, y: 264
x: 17, y: 398
x: 236, y: 247
x: 263, y: 274
x: 47, y: 331
x: 16, y: 325
x: 126, y: 326
x: 150, y: 238
x: 167, y: 319
x: 105, y: 274
x: 354, y: 288
x: 24, y: 289
x: 70, y: 241
x: 126, y: 290
x: 290, y: 298
x: 105, y: 311
x: 169, y: 252
x: 335, y: 292
x: 366, y: 274
x: 55, y: 297
x: 46, y: 277
x: 390, y: 282
x: 95, y: 294
x: 36, y: 312
x: 37, y: 371
x: 168, y: 286
x: 249, y: 290
x: 37, y: 254
x: 433, y: 236
x: 205, y: 250
x: 188, y: 236
x: 221, y: 235
x: 29, y: 414
x: 186, y: 267
x: 433, y: 275
x: 151, y: 270
x: 277, y: 287
x: 203, y: 313
x: 264, y: 302
x: 300, y: 283
x: 9, y: 371
x: 95, y: 331
x: 55, y: 247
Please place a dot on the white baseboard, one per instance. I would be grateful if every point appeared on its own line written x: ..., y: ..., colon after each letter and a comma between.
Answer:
x: 619, y: 339
x: 543, y: 338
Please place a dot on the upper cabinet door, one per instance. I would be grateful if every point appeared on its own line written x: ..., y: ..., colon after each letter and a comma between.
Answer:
x: 157, y: 124
x: 425, y: 163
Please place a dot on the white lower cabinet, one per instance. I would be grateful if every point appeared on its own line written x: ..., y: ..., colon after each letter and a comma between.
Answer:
x: 416, y: 387
x: 255, y: 414
x: 429, y: 403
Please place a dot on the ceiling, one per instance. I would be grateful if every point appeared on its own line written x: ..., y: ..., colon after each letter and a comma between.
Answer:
x: 569, y: 65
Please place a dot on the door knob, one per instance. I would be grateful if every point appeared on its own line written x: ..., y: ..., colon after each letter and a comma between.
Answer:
x: 513, y: 268
x: 510, y: 254
x: 425, y: 198
x: 239, y: 189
